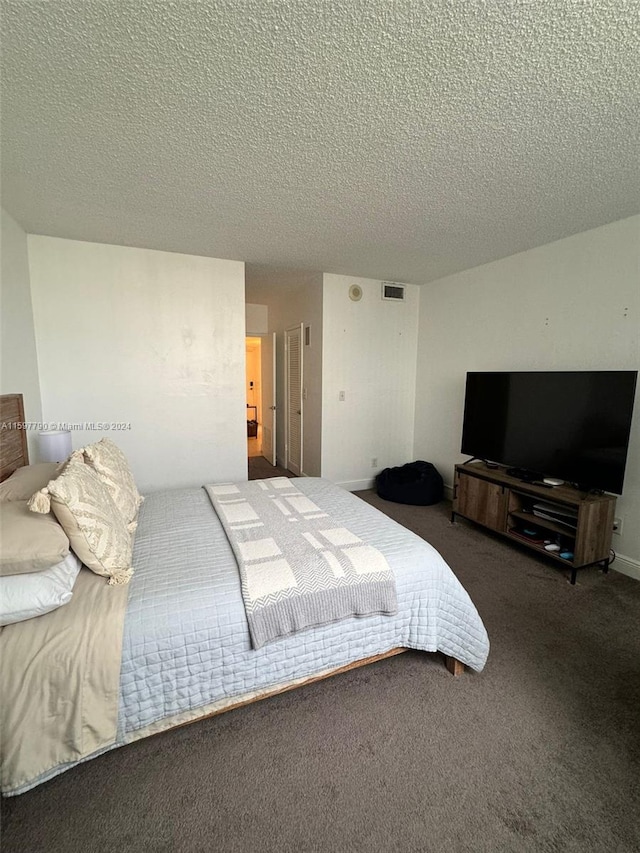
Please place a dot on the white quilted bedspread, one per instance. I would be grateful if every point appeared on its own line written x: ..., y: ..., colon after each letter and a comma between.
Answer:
x: 187, y: 643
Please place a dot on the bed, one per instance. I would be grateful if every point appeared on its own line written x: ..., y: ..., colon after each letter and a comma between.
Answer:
x: 181, y: 648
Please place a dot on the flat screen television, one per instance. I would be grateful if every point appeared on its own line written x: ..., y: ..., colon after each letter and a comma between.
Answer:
x: 572, y: 425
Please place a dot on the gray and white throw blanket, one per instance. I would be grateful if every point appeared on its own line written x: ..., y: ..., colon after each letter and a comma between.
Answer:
x: 299, y: 567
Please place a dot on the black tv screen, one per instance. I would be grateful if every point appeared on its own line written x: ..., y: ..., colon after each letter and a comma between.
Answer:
x: 573, y: 425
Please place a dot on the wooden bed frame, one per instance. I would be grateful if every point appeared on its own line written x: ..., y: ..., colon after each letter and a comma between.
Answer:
x: 13, y: 436
x: 14, y: 454
x: 454, y: 666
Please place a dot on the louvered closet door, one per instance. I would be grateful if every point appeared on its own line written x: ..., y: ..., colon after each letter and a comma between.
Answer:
x: 293, y: 378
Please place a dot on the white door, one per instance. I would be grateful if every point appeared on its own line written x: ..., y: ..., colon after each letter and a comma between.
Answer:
x: 293, y: 398
x: 268, y: 369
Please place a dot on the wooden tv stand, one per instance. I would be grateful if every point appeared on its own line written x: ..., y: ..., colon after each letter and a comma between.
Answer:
x: 580, y: 522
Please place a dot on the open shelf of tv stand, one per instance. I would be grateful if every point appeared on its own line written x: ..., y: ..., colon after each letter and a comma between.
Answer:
x: 581, y: 523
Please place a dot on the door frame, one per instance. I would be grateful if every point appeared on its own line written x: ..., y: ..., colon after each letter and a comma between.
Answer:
x: 299, y: 330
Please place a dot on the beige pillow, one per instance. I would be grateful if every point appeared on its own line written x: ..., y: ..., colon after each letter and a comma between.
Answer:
x: 27, y: 480
x: 28, y: 542
x: 111, y: 465
x: 97, y: 532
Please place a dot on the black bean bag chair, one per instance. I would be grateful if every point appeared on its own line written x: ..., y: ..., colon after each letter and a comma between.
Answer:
x: 417, y: 483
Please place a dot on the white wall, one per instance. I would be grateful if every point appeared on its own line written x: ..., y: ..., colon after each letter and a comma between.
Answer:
x: 570, y: 305
x: 18, y: 358
x: 369, y: 352
x: 150, y: 338
x: 256, y: 319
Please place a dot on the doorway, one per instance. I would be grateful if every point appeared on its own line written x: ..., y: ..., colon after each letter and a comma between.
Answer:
x: 253, y: 352
x: 260, y: 359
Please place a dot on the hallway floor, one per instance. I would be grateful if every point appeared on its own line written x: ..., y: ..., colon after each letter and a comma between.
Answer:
x: 260, y: 469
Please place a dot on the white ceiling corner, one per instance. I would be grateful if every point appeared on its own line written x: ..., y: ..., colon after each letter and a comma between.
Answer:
x: 401, y: 141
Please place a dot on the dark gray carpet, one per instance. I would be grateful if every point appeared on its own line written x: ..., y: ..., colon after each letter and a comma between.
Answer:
x: 260, y: 469
x: 540, y: 752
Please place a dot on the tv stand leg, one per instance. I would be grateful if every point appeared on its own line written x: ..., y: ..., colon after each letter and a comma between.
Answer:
x: 605, y: 566
x: 453, y: 517
x: 574, y: 574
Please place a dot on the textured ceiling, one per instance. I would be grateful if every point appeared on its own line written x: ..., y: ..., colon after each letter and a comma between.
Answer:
x: 396, y: 140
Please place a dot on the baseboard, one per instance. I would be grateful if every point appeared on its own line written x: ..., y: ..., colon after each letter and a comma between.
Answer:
x: 448, y: 492
x: 627, y: 566
x: 357, y: 485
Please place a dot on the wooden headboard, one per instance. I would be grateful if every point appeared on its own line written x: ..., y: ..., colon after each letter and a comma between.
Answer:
x: 13, y: 435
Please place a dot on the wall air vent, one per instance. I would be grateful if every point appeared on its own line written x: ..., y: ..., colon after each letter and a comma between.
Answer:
x: 392, y: 291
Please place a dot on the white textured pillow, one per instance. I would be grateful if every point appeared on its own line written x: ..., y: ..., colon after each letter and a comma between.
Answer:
x: 25, y: 596
x: 111, y: 465
x: 87, y: 514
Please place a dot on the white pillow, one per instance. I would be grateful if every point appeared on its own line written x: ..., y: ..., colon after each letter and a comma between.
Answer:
x: 28, y: 595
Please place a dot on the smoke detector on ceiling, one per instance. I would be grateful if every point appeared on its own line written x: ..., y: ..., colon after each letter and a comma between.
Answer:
x: 392, y: 291
x: 355, y: 293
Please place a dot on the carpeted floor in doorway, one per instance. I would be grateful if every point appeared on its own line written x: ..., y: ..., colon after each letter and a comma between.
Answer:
x: 260, y: 469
